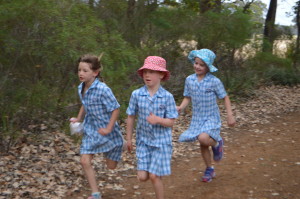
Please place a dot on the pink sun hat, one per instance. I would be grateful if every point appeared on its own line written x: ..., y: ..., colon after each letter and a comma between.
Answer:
x: 157, y: 64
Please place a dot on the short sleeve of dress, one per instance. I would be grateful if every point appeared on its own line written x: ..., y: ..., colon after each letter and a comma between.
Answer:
x: 187, y: 92
x: 171, y: 108
x: 109, y: 100
x: 219, y: 89
x: 132, y: 107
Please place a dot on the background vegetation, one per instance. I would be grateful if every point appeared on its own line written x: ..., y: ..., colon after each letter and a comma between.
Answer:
x: 40, y: 41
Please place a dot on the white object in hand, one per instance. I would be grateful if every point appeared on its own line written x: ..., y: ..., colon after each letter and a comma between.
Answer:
x: 76, y: 128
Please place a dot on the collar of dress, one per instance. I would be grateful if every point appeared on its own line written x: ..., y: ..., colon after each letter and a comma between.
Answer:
x: 94, y: 84
x: 206, y: 78
x: 144, y: 92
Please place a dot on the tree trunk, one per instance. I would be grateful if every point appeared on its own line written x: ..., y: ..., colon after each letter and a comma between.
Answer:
x: 246, y: 8
x: 130, y: 9
x: 209, y: 5
x: 269, y: 27
x: 91, y: 3
x: 137, y: 12
x: 131, y: 33
x: 297, y: 50
x: 152, y: 5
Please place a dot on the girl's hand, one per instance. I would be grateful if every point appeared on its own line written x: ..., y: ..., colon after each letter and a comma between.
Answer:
x: 104, y: 131
x: 178, y: 109
x: 74, y: 119
x: 153, y: 119
x: 231, y: 121
x: 129, y: 145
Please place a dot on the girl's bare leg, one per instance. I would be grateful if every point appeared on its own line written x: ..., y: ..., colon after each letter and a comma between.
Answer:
x: 86, y: 162
x: 205, y: 142
x: 143, y: 176
x: 158, y: 185
x: 205, y: 152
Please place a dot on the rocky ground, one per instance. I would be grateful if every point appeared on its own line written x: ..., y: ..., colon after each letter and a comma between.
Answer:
x: 261, y: 161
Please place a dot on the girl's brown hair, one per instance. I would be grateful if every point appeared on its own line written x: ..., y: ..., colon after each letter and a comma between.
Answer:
x: 94, y: 62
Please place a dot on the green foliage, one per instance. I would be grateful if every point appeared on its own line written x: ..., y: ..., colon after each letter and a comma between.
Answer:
x: 228, y: 30
x: 39, y: 49
x: 274, y: 70
x: 283, y: 76
x: 191, y: 5
x: 241, y: 83
x: 162, y: 26
x: 265, y: 61
x: 8, y: 134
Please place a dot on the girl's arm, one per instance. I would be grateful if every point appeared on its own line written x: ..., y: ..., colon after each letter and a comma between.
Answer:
x: 129, y: 130
x: 230, y: 117
x: 80, y: 115
x: 166, y: 122
x: 113, y: 118
x: 184, y: 103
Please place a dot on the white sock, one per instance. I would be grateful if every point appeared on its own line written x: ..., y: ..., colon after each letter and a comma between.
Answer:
x: 217, y: 144
x: 96, y: 194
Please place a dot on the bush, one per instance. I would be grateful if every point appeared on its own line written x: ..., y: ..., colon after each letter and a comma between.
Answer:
x: 282, y: 76
x: 272, y: 69
x: 239, y: 84
x: 39, y: 47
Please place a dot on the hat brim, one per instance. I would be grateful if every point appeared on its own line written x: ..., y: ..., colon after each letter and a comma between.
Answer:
x: 212, y: 68
x: 192, y: 57
x: 154, y: 68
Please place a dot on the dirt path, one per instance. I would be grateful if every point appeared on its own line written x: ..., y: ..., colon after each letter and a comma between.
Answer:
x: 262, y: 159
x: 261, y: 162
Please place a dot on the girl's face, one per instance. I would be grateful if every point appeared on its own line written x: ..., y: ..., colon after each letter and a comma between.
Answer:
x: 85, y: 73
x: 152, y: 78
x: 200, y: 67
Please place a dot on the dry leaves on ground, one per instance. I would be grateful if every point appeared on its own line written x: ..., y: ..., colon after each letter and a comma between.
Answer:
x: 51, y: 168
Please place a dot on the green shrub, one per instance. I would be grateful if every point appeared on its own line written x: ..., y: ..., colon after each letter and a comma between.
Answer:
x: 239, y: 83
x: 272, y: 69
x: 282, y: 76
x: 264, y: 61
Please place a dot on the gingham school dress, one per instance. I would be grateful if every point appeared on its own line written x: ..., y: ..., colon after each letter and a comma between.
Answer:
x: 206, y: 115
x: 99, y: 102
x: 154, y: 142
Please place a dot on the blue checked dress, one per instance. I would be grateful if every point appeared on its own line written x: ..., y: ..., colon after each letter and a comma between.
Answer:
x: 153, y: 141
x: 206, y: 114
x: 98, y: 102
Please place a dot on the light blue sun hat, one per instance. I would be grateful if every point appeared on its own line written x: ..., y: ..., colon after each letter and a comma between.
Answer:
x: 205, y: 55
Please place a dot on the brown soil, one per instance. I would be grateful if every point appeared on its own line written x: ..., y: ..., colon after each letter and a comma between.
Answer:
x: 261, y: 162
x: 262, y: 159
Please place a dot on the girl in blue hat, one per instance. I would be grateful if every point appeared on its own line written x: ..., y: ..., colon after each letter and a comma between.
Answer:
x: 202, y: 89
x: 100, y: 110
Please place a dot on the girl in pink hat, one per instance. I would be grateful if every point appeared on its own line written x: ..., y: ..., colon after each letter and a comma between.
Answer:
x: 156, y: 111
x: 203, y: 89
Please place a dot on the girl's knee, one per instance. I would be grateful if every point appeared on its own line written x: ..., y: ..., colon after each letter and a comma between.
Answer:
x: 85, y: 161
x: 203, y: 138
x: 154, y: 177
x: 142, y: 176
